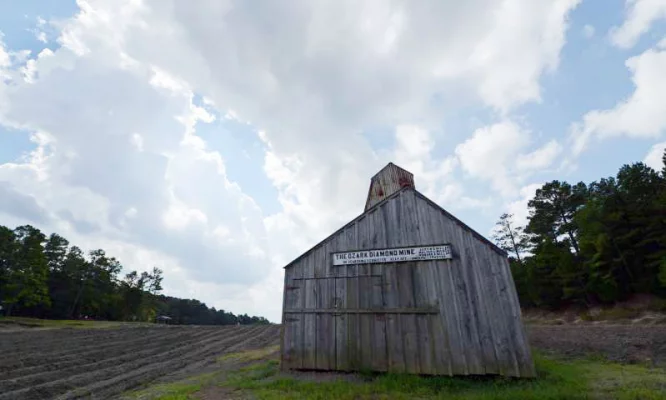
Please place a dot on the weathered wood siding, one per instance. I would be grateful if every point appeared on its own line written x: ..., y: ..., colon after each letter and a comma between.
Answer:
x: 386, y: 182
x: 445, y: 317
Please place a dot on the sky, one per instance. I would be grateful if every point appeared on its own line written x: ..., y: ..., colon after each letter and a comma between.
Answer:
x: 220, y: 139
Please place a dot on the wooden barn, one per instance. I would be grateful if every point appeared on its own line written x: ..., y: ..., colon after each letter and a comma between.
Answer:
x: 404, y: 287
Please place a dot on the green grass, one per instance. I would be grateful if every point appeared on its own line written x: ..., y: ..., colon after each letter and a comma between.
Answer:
x: 250, y: 355
x: 178, y: 390
x: 59, y: 323
x: 558, y: 379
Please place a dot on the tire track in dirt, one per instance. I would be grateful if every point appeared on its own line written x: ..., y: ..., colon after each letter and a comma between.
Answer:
x: 140, y: 367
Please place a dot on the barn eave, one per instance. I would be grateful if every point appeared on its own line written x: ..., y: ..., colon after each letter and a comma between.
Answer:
x: 474, y: 233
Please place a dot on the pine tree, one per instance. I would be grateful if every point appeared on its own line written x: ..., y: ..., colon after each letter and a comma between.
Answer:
x: 510, y: 237
x: 26, y: 275
x: 552, y: 212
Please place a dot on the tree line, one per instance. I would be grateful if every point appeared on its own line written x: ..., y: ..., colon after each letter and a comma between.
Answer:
x: 588, y: 244
x: 45, y: 277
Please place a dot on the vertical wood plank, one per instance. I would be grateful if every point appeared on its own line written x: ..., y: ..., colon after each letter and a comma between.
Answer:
x: 330, y: 304
x: 506, y: 360
x: 414, y: 234
x: 323, y: 332
x: 424, y: 345
x: 449, y: 345
x: 379, y: 345
x: 423, y: 321
x: 506, y: 313
x: 353, y: 328
x: 284, y: 347
x: 331, y: 349
x: 396, y: 355
x: 479, y: 312
x: 297, y: 301
x: 408, y: 321
x: 309, y: 325
x: 353, y: 342
x: 287, y: 351
x: 365, y: 320
x: 440, y: 347
x: 472, y: 345
x: 518, y: 340
x: 378, y: 321
x: 341, y: 350
x: 309, y: 321
x: 451, y: 308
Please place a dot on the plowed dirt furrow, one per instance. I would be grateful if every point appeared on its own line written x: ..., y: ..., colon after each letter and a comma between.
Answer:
x: 101, y: 353
x: 73, y: 349
x: 119, y: 384
x: 61, y: 363
x: 38, y: 344
x: 92, y: 351
x: 58, y: 337
x: 180, y: 354
x: 44, y: 373
x: 269, y: 337
x: 203, y: 336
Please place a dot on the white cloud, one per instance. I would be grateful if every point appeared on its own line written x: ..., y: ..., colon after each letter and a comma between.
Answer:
x: 540, y: 158
x: 496, y: 153
x: 588, y: 31
x: 122, y: 168
x: 413, y: 151
x: 4, y: 56
x: 642, y: 114
x: 641, y: 15
x: 519, y: 207
x: 654, y: 157
x: 41, y: 36
x: 524, y: 41
x: 488, y: 152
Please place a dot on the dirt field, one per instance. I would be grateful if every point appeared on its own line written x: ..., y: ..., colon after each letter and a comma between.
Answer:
x: 40, y: 363
x: 102, y: 363
x: 644, y: 344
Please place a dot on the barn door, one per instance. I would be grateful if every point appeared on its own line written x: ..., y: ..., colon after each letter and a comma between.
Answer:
x: 352, y: 323
x: 335, y: 323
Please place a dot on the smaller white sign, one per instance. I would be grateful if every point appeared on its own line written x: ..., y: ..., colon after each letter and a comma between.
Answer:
x: 401, y: 254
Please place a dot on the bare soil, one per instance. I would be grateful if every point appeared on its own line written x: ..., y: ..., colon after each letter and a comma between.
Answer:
x: 102, y: 363
x: 620, y: 343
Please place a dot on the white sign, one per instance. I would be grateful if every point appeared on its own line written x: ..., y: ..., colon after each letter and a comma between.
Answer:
x: 419, y: 253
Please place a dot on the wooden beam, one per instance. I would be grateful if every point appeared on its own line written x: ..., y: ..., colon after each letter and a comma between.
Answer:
x: 363, y: 311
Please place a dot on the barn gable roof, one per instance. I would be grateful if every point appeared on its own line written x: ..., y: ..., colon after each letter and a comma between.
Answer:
x: 474, y: 233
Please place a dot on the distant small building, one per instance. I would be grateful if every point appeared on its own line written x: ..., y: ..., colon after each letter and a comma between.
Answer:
x: 163, y: 319
x: 404, y: 287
